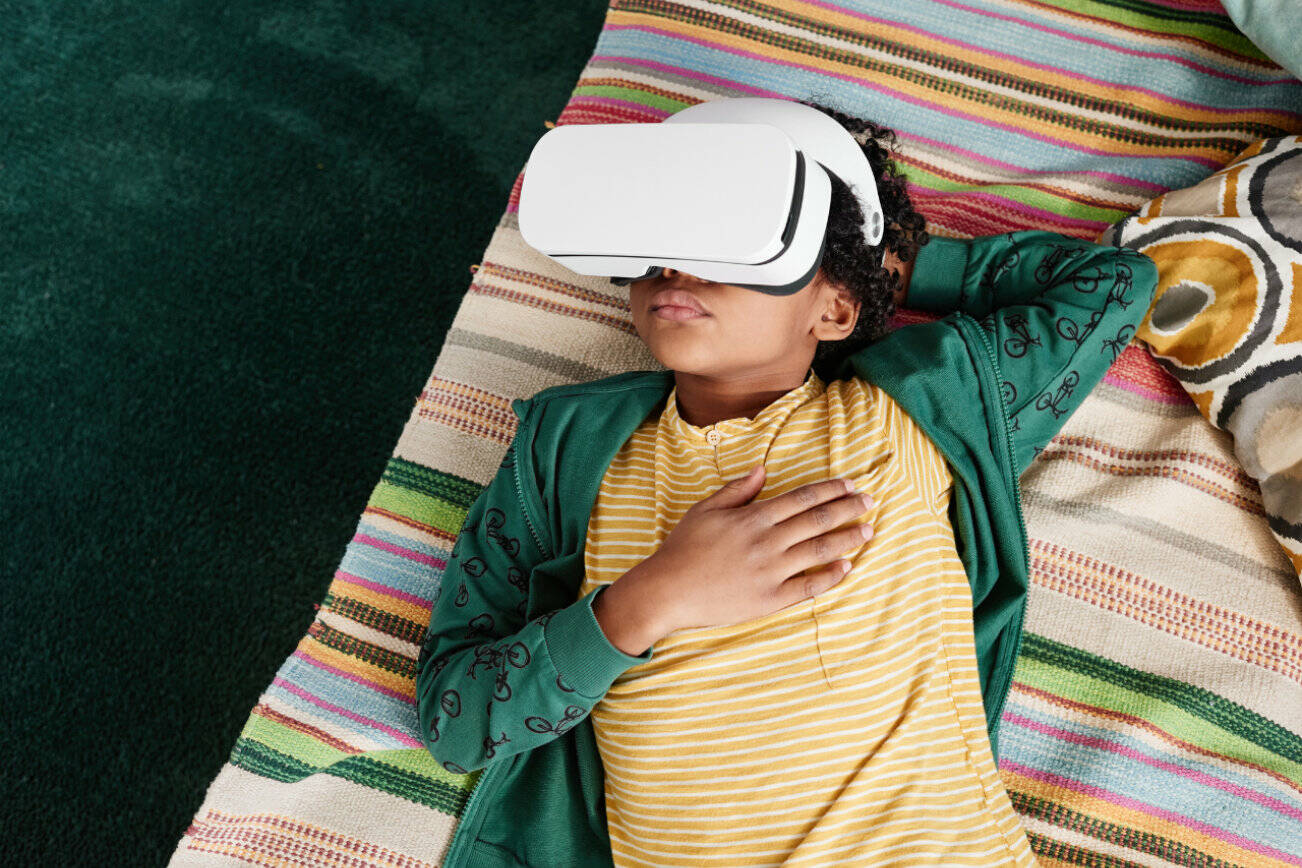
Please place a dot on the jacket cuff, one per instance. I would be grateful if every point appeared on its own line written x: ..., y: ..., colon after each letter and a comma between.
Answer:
x: 580, y: 651
x: 938, y: 275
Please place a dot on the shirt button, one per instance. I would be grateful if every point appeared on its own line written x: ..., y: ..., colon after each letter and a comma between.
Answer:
x: 714, y: 437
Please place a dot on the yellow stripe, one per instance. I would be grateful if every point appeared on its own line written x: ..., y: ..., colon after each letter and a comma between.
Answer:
x: 842, y: 729
x: 341, y: 587
x: 405, y: 686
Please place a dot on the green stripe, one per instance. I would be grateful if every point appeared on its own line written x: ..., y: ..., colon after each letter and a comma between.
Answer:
x: 418, y: 478
x: 1183, y: 723
x: 1074, y: 855
x: 367, y: 652
x: 1059, y: 815
x: 1210, y: 27
x: 375, y: 618
x: 255, y: 757
x: 433, y: 510
x: 650, y: 100
x: 1035, y: 198
x: 1199, y: 715
x: 427, y: 786
x: 419, y: 787
x: 304, y: 750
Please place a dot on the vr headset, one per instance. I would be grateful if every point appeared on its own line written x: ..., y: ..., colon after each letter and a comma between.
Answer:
x: 733, y: 191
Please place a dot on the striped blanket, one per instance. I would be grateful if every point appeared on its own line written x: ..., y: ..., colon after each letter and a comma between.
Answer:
x: 1154, y: 717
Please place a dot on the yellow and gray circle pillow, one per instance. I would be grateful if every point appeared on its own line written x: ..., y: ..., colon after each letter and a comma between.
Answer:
x: 1226, y: 319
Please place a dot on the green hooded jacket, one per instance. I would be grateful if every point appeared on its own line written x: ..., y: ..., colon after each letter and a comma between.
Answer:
x: 514, y: 662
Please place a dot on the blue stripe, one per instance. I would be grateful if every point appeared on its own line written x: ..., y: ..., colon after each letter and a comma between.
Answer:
x: 1157, y: 787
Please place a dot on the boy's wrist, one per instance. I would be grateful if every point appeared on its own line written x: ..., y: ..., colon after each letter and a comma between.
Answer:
x: 628, y: 615
x: 906, y: 273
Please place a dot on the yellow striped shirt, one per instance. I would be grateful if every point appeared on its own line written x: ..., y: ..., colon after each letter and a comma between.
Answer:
x: 847, y: 729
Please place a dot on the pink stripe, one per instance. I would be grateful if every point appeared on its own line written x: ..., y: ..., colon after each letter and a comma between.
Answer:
x: 401, y: 551
x: 1143, y: 391
x: 1077, y: 37
x: 1191, y: 5
x: 1167, y: 98
x: 1136, y: 805
x: 1006, y: 204
x: 334, y: 670
x: 991, y: 161
x: 384, y: 589
x: 1129, y: 752
x: 364, y: 721
x: 873, y: 84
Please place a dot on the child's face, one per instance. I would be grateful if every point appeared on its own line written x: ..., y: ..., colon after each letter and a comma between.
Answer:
x: 743, y: 331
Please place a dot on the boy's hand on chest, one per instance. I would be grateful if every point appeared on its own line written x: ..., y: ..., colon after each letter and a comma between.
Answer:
x: 731, y: 559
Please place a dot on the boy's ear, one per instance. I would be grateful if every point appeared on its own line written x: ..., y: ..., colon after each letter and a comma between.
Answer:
x: 841, y: 311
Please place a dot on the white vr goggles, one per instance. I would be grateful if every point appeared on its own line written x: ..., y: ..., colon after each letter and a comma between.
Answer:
x: 732, y: 191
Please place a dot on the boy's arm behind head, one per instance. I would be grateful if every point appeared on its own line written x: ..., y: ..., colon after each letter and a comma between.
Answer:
x: 1057, y: 312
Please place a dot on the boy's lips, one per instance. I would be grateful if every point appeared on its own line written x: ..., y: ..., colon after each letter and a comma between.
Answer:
x: 678, y: 314
x: 677, y: 298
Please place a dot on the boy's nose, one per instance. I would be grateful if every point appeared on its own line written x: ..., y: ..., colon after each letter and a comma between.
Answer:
x: 672, y: 273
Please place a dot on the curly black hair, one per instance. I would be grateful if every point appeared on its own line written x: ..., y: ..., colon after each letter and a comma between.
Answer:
x: 848, y: 261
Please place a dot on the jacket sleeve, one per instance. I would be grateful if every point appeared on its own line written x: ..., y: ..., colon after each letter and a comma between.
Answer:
x: 1057, y: 312
x: 488, y: 683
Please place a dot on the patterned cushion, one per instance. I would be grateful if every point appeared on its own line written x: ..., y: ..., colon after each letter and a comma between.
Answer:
x: 1227, y: 316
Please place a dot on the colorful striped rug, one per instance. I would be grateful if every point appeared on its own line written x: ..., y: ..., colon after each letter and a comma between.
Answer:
x: 1154, y: 718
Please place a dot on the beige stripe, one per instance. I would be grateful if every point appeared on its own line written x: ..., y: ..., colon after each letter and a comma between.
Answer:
x: 500, y: 365
x: 1188, y: 512
x: 469, y: 456
x: 332, y: 803
x: 367, y: 634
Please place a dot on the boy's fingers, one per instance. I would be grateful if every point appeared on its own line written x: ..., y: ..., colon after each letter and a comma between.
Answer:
x: 778, y: 509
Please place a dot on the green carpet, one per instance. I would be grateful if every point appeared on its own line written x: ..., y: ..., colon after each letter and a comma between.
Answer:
x: 232, y: 237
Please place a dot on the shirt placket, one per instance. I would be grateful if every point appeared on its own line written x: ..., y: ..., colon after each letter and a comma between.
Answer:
x: 736, y: 448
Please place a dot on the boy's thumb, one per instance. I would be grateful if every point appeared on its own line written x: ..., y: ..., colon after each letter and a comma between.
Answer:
x: 743, y: 487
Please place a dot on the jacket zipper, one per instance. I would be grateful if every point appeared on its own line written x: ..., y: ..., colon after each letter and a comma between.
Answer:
x: 462, y: 837
x: 1017, y: 493
x: 520, y: 498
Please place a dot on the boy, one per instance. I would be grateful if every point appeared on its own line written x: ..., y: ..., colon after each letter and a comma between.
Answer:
x: 727, y: 688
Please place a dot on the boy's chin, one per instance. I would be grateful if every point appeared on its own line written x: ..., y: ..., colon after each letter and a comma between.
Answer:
x: 683, y: 360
